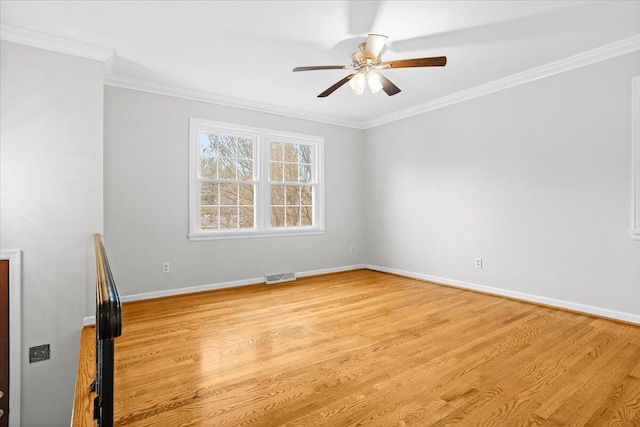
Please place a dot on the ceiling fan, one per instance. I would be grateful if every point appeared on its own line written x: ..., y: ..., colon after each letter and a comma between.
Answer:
x: 366, y: 60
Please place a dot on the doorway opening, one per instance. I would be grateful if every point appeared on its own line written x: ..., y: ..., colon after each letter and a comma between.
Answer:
x: 12, y: 258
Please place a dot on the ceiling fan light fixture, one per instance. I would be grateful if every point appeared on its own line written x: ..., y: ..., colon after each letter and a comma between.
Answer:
x: 358, y: 83
x: 373, y: 81
x: 367, y: 59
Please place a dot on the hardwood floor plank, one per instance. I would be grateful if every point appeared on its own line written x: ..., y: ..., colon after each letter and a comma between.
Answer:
x: 581, y: 405
x: 621, y: 406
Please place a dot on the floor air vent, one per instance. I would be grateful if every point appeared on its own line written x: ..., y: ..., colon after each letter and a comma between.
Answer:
x: 277, y: 278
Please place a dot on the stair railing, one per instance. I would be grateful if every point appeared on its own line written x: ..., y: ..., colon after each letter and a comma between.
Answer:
x: 108, y: 328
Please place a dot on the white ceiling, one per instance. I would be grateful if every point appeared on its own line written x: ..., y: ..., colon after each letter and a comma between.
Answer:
x: 242, y: 52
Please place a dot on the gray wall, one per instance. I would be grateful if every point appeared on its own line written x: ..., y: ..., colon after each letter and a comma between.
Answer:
x: 146, y: 198
x: 51, y: 111
x: 534, y: 179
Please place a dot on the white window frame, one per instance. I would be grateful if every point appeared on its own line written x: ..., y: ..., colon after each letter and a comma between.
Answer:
x: 635, y: 158
x: 261, y: 170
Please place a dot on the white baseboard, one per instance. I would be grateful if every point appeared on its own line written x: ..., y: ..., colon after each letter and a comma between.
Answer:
x: 567, y: 305
x: 330, y: 270
x: 190, y: 289
x: 91, y: 320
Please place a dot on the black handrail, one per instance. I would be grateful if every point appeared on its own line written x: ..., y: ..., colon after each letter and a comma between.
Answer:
x: 108, y: 327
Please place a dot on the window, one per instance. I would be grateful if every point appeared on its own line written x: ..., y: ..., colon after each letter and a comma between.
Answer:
x: 292, y: 187
x: 227, y: 187
x: 251, y: 182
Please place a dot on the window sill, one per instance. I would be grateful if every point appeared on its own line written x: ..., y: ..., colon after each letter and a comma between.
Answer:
x: 228, y: 235
x: 635, y: 234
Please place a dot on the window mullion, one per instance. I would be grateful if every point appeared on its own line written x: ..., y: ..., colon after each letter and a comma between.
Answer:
x: 264, y: 203
x: 228, y: 181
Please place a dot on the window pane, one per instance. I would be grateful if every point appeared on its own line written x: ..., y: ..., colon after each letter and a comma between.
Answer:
x: 227, y: 146
x: 293, y: 195
x: 208, y: 167
x: 208, y: 155
x: 291, y: 172
x: 306, y: 195
x: 277, y: 194
x: 228, y: 194
x: 208, y: 193
x: 293, y: 216
x: 245, y: 170
x: 246, y: 217
x: 275, y: 173
x: 226, y: 168
x: 291, y: 153
x: 245, y: 148
x: 304, y: 173
x: 275, y: 151
x: 277, y: 217
x: 208, y: 144
x: 228, y: 217
x: 246, y: 194
x: 209, y: 218
x: 307, y: 216
x: 304, y: 154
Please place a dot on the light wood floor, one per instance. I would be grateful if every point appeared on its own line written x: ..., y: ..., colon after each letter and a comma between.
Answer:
x: 368, y: 348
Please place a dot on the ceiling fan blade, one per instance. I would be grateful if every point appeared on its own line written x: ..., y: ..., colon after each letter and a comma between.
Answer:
x: 436, y: 61
x: 324, y: 67
x: 388, y: 86
x: 374, y: 45
x: 335, y: 86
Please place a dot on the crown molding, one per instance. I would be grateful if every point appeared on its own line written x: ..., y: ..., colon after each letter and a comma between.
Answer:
x: 202, y: 96
x: 593, y: 56
x: 58, y: 44
x: 108, y: 56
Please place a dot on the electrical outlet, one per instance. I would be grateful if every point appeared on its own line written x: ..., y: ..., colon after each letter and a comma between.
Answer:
x: 353, y: 249
x: 39, y: 353
x: 165, y: 267
x: 478, y: 262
